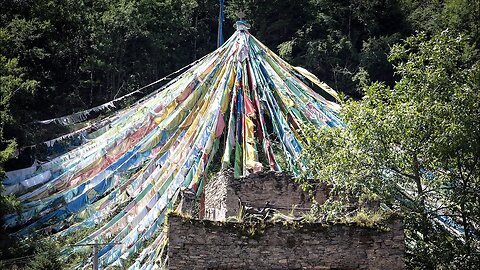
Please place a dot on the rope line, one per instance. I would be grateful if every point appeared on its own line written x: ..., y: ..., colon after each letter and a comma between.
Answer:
x: 82, y: 115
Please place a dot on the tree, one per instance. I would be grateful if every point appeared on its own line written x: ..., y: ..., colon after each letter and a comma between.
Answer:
x: 432, y: 16
x: 85, y: 53
x: 11, y: 83
x: 415, y: 146
x: 339, y: 38
x: 46, y: 257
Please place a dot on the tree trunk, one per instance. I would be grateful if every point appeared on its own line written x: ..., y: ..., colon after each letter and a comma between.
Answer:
x: 418, y: 182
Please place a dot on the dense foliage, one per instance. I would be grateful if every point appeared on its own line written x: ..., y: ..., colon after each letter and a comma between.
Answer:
x: 417, y: 127
x: 84, y: 53
x: 346, y: 42
x: 414, y: 146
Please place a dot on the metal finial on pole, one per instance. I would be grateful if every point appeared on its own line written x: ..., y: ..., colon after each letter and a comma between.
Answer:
x: 221, y: 19
x: 240, y: 15
x: 241, y: 24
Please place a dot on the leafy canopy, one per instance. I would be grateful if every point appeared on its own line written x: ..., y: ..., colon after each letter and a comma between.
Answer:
x: 415, y: 146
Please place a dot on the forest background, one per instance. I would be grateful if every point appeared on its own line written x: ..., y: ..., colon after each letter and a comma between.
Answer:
x: 58, y: 57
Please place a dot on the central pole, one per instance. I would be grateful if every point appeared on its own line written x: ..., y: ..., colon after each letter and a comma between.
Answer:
x: 221, y: 18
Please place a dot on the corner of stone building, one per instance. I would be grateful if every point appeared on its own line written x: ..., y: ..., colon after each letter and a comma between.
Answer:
x: 214, y: 243
x: 226, y: 195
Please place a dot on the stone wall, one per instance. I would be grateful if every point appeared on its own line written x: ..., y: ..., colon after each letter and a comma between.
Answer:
x: 203, y: 244
x: 187, y: 201
x: 223, y: 194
